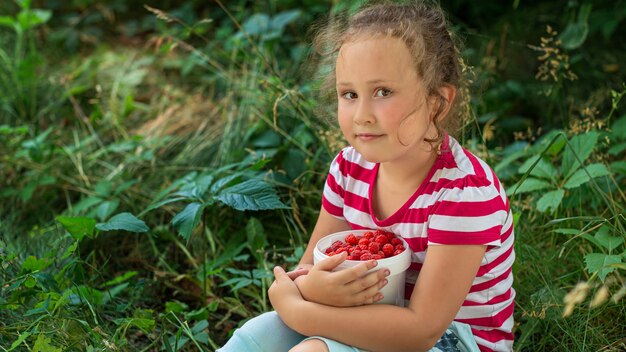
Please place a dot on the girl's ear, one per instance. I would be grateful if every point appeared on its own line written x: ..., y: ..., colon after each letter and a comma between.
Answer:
x: 447, y: 93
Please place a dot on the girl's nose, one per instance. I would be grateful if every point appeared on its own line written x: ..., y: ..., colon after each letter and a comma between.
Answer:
x: 364, y: 114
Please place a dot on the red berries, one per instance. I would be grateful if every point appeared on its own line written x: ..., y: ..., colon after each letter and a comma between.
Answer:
x: 371, y: 245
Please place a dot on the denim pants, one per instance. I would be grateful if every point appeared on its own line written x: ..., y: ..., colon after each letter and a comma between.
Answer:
x: 268, y: 333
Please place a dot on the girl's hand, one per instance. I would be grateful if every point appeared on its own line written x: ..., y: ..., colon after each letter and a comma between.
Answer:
x: 344, y: 288
x: 302, y: 269
x: 283, y: 293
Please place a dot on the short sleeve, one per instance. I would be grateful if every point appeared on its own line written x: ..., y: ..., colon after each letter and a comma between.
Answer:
x: 470, y: 211
x: 334, y: 188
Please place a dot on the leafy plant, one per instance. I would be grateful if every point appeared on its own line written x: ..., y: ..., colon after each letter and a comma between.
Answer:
x: 242, y: 190
x: 22, y: 86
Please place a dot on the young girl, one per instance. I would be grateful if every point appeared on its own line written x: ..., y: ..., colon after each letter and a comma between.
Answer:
x: 396, y: 76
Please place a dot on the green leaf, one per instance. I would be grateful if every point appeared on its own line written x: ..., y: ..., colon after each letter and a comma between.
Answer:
x: 575, y: 33
x: 550, y: 201
x: 41, y: 307
x: 566, y: 231
x: 618, y: 129
x: 85, y: 295
x: 557, y: 138
x: 23, y: 336
x: 78, y: 227
x: 257, y: 240
x: 528, y: 185
x: 580, y: 176
x: 284, y: 18
x: 617, y: 149
x: 176, y: 307
x: 42, y: 344
x: 144, y: 324
x: 85, y: 204
x: 160, y: 204
x: 32, y: 264
x: 619, y: 166
x: 123, y: 221
x: 32, y: 18
x: 187, y: 220
x: 543, y: 168
x: 582, y: 146
x: 607, y: 241
x: 24, y: 4
x: 103, y: 188
x: 70, y: 250
x: 106, y: 208
x: 7, y: 21
x: 251, y: 195
x: 257, y: 24
x: 601, y: 263
x: 127, y: 275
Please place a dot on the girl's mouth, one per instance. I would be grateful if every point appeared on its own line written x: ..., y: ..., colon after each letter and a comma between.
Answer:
x: 368, y: 136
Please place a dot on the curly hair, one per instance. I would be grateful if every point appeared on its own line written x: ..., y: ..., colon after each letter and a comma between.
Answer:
x: 423, y: 27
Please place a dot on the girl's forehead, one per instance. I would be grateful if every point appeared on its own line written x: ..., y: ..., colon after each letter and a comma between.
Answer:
x: 388, y: 56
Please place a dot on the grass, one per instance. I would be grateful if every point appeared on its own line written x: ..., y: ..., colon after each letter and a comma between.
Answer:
x: 131, y: 125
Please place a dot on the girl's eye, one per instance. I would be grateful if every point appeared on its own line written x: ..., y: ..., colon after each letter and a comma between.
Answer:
x: 349, y: 95
x: 382, y: 92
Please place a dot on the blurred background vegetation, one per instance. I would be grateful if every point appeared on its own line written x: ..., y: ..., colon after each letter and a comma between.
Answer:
x: 158, y: 157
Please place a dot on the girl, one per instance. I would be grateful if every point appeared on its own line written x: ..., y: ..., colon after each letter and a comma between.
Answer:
x: 397, y: 78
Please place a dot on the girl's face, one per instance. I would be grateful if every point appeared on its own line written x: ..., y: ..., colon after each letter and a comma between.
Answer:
x: 382, y: 108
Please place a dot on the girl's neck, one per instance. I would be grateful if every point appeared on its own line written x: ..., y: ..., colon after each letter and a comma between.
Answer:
x: 407, y: 173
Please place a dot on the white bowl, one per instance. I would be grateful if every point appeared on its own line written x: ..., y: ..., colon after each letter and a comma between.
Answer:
x: 393, y: 292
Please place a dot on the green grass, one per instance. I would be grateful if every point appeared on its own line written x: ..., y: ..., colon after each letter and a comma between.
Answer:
x: 200, y: 109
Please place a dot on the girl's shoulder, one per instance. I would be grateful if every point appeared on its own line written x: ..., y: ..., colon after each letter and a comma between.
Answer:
x: 461, y: 168
x: 350, y: 159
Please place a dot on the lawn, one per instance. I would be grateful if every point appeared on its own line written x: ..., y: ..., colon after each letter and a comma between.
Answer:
x: 157, y: 160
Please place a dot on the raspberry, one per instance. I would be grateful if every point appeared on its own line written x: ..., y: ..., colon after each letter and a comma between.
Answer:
x: 388, y: 249
x: 381, y: 239
x: 351, y: 239
x: 377, y: 244
x: 366, y: 256
x: 336, y: 245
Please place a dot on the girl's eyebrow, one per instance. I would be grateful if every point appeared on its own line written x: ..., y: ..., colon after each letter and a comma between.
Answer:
x: 373, y: 81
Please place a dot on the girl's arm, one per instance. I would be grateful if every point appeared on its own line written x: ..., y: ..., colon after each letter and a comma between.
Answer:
x: 442, y: 285
x: 348, y: 287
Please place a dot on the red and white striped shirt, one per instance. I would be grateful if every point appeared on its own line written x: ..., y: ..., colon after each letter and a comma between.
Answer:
x: 461, y: 201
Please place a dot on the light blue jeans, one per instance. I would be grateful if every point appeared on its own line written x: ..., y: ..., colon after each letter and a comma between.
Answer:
x: 268, y: 333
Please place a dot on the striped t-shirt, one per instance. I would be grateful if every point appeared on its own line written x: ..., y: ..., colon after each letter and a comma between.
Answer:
x: 461, y: 201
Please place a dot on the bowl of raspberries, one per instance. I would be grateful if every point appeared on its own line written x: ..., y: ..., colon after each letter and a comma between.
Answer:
x: 389, y: 250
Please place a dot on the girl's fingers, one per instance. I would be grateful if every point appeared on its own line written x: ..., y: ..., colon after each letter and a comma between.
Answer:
x: 373, y: 279
x: 298, y: 272
x: 354, y: 273
x: 331, y: 262
x: 372, y: 294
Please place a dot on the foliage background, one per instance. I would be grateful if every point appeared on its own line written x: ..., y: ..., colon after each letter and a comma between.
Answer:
x: 157, y: 158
